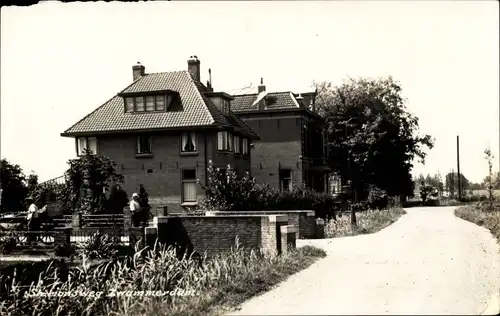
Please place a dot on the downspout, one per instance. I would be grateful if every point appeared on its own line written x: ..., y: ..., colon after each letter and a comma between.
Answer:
x: 206, y: 159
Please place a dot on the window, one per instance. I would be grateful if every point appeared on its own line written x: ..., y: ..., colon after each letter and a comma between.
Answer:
x: 188, y: 142
x: 129, y: 104
x: 144, y: 144
x: 224, y: 141
x: 160, y: 103
x: 139, y: 104
x: 188, y: 185
x: 86, y: 143
x: 230, y: 141
x: 237, y: 144
x: 224, y: 106
x: 245, y: 146
x: 149, y: 103
x: 285, y: 180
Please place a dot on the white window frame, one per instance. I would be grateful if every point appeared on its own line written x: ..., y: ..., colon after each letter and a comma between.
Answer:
x: 237, y: 144
x: 184, y: 139
x: 245, y: 146
x: 222, y: 141
x: 138, y: 147
x: 86, y: 142
x: 160, y: 103
x: 189, y: 182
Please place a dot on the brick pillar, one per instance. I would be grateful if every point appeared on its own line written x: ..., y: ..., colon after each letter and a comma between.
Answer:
x: 62, y: 237
x: 270, y: 233
x: 160, y: 223
x: 288, y: 238
x: 320, y: 228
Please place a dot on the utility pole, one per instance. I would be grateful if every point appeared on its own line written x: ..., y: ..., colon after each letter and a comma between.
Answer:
x: 458, y: 168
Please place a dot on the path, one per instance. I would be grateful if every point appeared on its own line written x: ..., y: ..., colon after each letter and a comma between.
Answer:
x: 428, y: 262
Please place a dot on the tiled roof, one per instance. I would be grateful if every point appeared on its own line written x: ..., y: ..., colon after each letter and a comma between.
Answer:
x: 197, y: 111
x: 283, y: 100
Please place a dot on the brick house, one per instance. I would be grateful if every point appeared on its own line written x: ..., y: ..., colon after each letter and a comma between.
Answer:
x: 292, y: 146
x: 162, y: 131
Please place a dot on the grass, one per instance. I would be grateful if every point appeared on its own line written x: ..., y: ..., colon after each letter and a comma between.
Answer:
x: 368, y: 222
x: 479, y: 214
x: 220, y: 284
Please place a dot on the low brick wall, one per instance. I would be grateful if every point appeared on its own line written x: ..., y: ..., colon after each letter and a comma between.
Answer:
x: 216, y: 234
x: 302, y: 220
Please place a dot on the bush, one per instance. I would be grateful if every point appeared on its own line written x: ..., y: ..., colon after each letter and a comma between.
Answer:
x: 226, y: 191
x: 377, y: 199
x: 64, y: 250
x: 8, y: 243
x: 98, y: 246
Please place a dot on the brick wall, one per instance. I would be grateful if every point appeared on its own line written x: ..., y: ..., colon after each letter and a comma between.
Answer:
x: 280, y: 147
x: 302, y: 220
x: 161, y: 174
x: 214, y: 235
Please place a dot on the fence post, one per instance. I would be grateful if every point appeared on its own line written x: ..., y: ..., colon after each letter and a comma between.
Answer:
x: 127, y: 220
x: 320, y: 228
x: 76, y: 220
x: 62, y: 237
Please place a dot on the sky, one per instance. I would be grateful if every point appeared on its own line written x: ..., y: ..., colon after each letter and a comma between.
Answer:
x: 60, y: 61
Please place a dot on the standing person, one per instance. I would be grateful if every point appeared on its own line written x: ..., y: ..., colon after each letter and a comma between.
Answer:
x: 32, y: 218
x: 135, y: 209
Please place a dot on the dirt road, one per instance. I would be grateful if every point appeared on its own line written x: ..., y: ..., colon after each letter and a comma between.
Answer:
x: 428, y: 262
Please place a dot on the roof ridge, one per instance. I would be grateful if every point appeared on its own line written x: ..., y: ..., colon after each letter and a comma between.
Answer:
x: 164, y: 72
x: 200, y: 97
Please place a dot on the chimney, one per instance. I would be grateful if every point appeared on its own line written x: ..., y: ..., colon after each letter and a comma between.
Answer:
x: 300, y: 100
x: 261, y: 87
x: 138, y: 71
x: 194, y: 67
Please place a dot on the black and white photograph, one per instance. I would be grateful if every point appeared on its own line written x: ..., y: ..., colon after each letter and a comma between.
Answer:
x: 217, y: 158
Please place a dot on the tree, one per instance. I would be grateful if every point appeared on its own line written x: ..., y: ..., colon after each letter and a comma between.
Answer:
x: 372, y: 138
x: 86, y: 179
x: 491, y: 183
x: 451, y: 183
x: 14, y: 190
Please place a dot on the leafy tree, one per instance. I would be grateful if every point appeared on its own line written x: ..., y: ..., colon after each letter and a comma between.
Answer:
x: 372, y: 138
x: 86, y: 179
x: 451, y: 183
x: 32, y: 184
x: 492, y: 183
x: 425, y: 191
x: 117, y: 200
x: 14, y: 190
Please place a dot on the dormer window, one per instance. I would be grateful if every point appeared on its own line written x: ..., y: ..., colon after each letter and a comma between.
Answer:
x: 149, y: 103
x: 224, y: 106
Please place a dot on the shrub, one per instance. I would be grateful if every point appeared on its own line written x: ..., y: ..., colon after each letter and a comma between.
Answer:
x: 98, y: 246
x: 8, y: 243
x: 64, y: 250
x: 377, y: 199
x: 226, y: 191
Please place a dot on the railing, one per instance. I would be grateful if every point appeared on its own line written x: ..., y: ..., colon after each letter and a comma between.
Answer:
x: 29, y: 239
x: 84, y: 234
x: 58, y: 180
